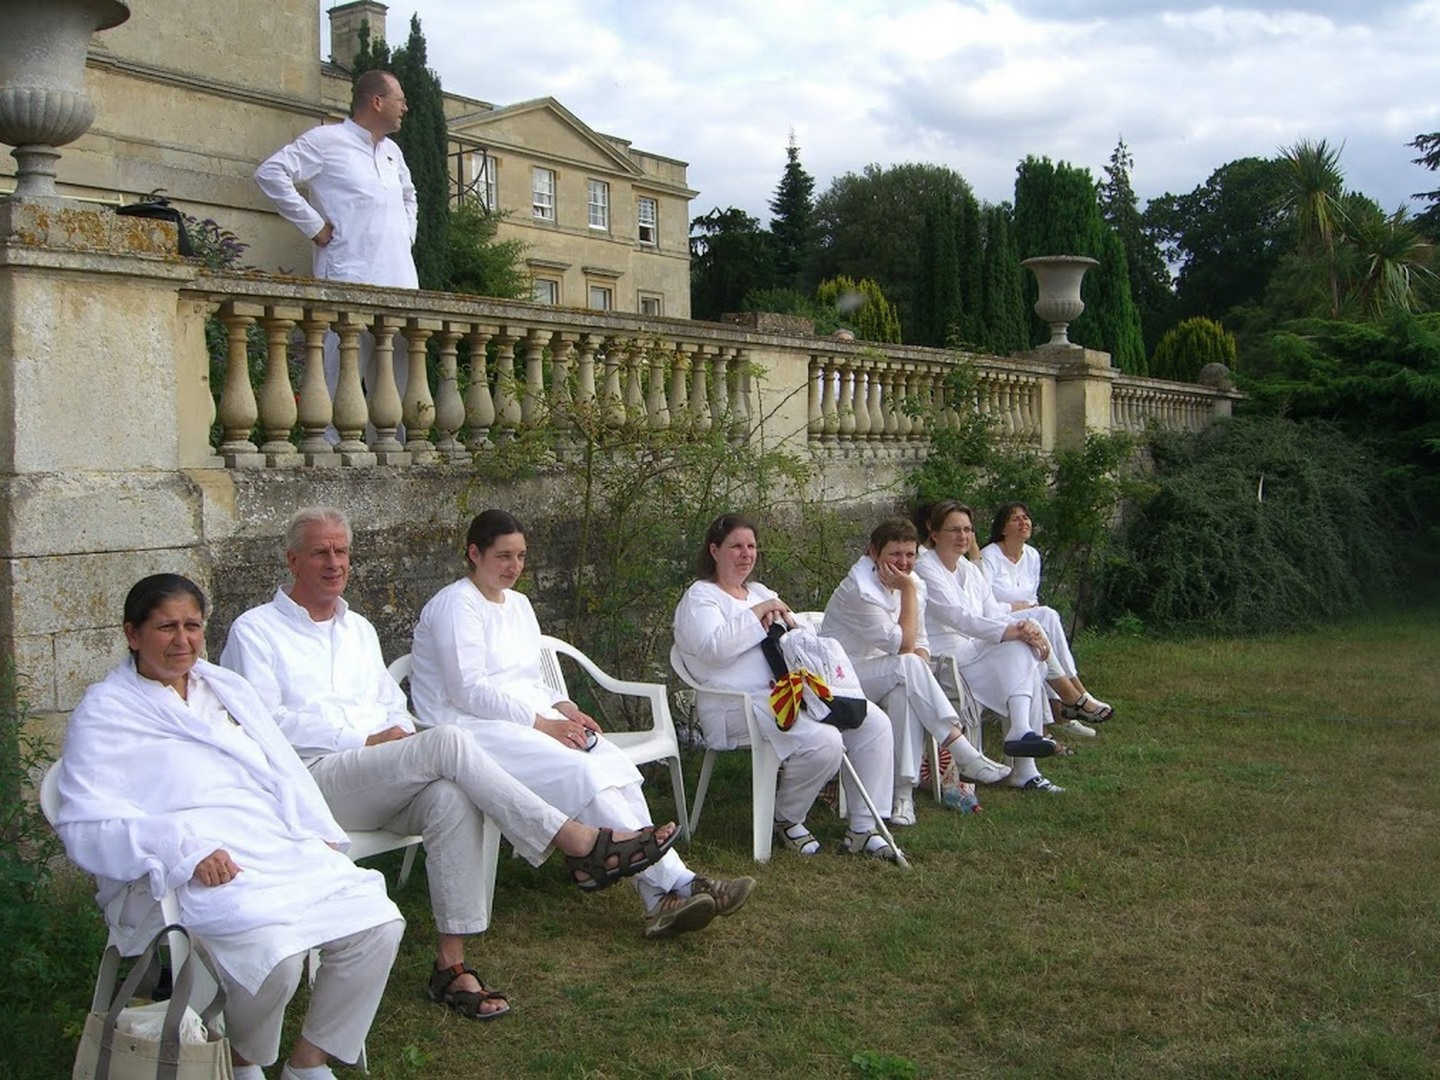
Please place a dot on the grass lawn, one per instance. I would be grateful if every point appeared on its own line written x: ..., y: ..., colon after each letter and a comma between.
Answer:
x: 1242, y: 880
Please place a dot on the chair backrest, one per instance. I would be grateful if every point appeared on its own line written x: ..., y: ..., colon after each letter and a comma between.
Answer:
x: 400, y: 669
x: 677, y: 662
x: 550, y: 670
x: 50, y: 792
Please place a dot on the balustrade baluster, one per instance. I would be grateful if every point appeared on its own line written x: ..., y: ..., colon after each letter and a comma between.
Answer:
x: 532, y: 399
x: 1017, y: 422
x: 700, y: 419
x: 680, y: 386
x: 350, y: 412
x: 858, y: 409
x: 507, y: 405
x: 829, y: 410
x: 585, y: 380
x: 720, y: 394
x: 814, y: 418
x: 656, y: 406
x: 418, y: 406
x: 875, y: 406
x: 479, y: 405
x: 277, y: 398
x: 904, y: 422
x: 238, y: 411
x: 894, y: 391
x: 385, y: 408
x: 740, y: 401
x: 920, y: 387
x: 613, y: 403
x: 449, y: 409
x: 315, y: 410
x: 634, y: 395
x: 844, y: 404
x: 562, y: 353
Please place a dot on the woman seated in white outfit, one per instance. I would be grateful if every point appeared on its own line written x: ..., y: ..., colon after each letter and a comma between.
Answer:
x: 1001, y: 658
x: 173, y: 771
x: 1012, y: 567
x: 878, y: 615
x: 476, y: 663
x: 719, y: 625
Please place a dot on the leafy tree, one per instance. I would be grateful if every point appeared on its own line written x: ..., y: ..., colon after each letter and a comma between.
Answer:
x: 423, y: 140
x: 1228, y: 235
x: 1428, y: 220
x: 862, y: 305
x: 1313, y: 189
x: 479, y: 263
x: 1189, y: 346
x: 1006, y: 328
x: 730, y: 257
x: 792, y: 229
x: 1057, y: 213
x: 1149, y: 276
x: 870, y: 224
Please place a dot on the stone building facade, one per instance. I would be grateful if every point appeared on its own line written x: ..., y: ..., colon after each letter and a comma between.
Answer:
x: 189, y: 105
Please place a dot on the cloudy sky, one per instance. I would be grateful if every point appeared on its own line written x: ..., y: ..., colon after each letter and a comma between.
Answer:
x: 972, y: 85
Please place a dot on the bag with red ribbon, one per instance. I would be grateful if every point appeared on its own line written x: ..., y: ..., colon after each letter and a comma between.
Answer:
x: 814, y: 676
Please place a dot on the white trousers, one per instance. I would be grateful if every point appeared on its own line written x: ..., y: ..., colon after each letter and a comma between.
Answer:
x: 347, y: 991
x: 905, y: 687
x: 1061, y: 661
x: 810, y: 755
x: 439, y: 783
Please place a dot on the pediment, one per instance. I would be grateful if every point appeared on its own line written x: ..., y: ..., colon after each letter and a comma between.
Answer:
x: 544, y: 128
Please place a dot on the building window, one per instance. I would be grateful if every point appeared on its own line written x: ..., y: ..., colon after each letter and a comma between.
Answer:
x: 650, y: 304
x: 542, y: 194
x: 599, y: 204
x: 545, y: 291
x: 647, y: 218
x: 601, y: 298
x: 484, y: 180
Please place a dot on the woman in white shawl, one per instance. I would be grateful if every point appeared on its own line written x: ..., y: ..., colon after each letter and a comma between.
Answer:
x: 719, y: 625
x: 877, y: 613
x: 1012, y: 567
x: 173, y: 771
x: 476, y: 663
x: 1001, y: 658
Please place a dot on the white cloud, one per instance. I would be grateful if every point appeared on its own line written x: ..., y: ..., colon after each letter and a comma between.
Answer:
x: 976, y: 86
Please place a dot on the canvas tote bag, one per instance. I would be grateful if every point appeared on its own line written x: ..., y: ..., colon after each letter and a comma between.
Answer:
x: 108, y: 1054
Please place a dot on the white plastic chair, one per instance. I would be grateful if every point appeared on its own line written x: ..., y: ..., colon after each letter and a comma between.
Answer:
x: 764, y: 772
x: 655, y: 743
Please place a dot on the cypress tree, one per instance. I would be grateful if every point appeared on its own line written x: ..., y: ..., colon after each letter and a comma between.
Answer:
x: 793, y: 227
x: 937, y: 293
x: 1002, y: 301
x: 969, y: 328
x: 422, y: 138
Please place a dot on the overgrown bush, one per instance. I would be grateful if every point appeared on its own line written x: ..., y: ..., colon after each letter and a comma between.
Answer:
x: 1254, y: 524
x: 1189, y: 346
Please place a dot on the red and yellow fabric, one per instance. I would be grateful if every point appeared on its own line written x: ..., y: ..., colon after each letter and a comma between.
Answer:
x: 787, y: 696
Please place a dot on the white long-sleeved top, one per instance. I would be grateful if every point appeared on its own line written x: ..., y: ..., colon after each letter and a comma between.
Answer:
x: 1013, y: 583
x: 962, y: 615
x: 324, y: 682
x: 864, y: 616
x: 361, y: 188
x: 719, y: 638
x: 474, y: 660
x: 151, y: 783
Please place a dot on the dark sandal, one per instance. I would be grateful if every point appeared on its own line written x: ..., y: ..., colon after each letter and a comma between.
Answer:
x: 464, y: 1002
x: 1077, y: 711
x: 638, y: 853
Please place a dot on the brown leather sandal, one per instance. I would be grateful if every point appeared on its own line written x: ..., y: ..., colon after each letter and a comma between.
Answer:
x: 465, y: 1002
x: 639, y: 852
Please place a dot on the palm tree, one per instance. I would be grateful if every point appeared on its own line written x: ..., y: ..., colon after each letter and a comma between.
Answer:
x: 1392, y: 255
x: 1314, y: 182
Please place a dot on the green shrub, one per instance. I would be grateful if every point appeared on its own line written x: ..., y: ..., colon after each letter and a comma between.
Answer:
x: 1189, y: 346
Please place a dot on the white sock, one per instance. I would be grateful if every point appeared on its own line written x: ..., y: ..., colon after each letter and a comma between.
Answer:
x: 1022, y: 772
x: 1018, y: 707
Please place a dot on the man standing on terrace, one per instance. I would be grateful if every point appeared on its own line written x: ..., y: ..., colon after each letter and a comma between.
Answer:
x: 361, y: 211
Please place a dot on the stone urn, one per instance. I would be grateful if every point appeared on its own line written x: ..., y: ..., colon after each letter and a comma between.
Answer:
x: 1059, y: 305
x: 43, y: 104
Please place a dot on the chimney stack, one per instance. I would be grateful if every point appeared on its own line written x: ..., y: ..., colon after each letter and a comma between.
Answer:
x: 345, y: 23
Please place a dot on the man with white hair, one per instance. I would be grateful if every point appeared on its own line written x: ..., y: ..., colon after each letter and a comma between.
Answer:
x: 317, y: 665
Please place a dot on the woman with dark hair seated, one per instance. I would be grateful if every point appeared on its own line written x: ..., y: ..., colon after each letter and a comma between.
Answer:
x: 173, y: 771
x: 1002, y: 659
x: 719, y: 625
x: 476, y: 663
x: 878, y: 615
x: 1012, y: 567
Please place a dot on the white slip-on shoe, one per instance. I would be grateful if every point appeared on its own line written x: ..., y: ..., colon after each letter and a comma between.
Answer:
x: 974, y: 766
x: 1074, y: 727
x: 902, y: 811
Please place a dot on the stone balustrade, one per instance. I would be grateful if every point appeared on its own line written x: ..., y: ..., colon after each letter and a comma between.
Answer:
x: 1137, y: 403
x: 504, y: 368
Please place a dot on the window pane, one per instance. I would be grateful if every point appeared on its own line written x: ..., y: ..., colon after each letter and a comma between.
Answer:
x: 545, y: 291
x: 599, y: 204
x: 599, y: 298
x: 650, y: 305
x: 542, y: 193
x: 645, y: 217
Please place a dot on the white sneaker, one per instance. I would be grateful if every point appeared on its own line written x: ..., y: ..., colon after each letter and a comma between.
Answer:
x: 902, y: 811
x: 974, y: 766
x: 1074, y: 727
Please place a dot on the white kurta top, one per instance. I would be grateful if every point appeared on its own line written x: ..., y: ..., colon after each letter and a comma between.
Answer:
x: 362, y: 188
x: 324, y: 682
x: 864, y: 616
x: 719, y: 638
x: 1014, y: 583
x: 151, y: 784
x: 476, y: 663
x: 966, y: 621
